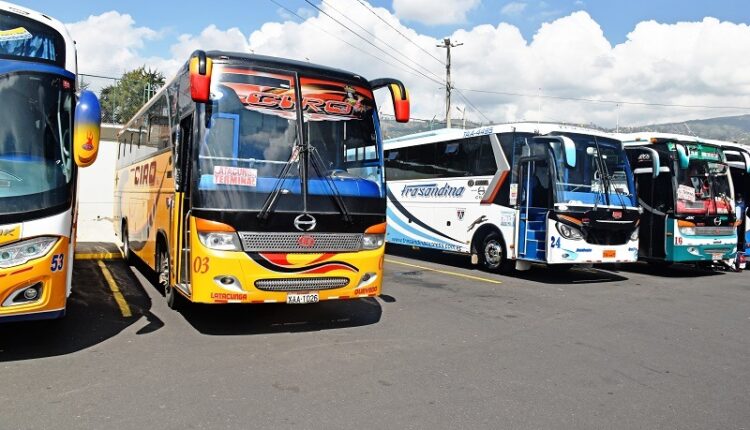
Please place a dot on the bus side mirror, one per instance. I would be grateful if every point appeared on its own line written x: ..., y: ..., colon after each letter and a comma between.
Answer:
x: 682, y: 156
x: 746, y: 157
x: 200, y: 77
x: 88, y: 120
x: 399, y: 95
x: 570, y: 151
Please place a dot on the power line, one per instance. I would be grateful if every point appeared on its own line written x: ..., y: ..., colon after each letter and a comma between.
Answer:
x: 615, y: 102
x: 463, y: 96
x: 345, y: 41
x: 392, y: 48
x: 372, y: 11
x: 369, y: 42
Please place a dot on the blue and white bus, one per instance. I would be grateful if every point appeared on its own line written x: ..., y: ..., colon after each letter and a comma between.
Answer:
x: 523, y: 192
x: 47, y: 131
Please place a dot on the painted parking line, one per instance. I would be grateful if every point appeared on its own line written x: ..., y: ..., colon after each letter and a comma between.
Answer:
x: 445, y: 272
x: 119, y: 298
x: 98, y: 256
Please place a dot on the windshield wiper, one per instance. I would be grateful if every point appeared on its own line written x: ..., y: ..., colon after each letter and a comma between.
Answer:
x: 606, y: 178
x: 280, y: 179
x: 319, y: 167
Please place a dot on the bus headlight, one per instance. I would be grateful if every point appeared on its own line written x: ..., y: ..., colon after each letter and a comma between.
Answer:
x: 634, y: 234
x: 220, y: 241
x: 25, y: 250
x: 687, y: 231
x: 373, y: 241
x: 569, y: 232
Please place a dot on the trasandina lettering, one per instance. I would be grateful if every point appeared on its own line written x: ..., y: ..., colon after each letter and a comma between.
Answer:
x: 432, y: 190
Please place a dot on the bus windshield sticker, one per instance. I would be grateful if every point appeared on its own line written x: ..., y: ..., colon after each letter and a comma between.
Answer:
x: 686, y: 193
x: 324, y: 100
x: 15, y: 34
x: 224, y: 175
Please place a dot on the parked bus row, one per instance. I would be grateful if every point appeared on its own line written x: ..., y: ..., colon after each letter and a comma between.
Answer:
x: 517, y: 194
x: 253, y: 179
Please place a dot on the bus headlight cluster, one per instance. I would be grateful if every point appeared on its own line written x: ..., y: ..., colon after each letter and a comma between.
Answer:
x: 220, y: 241
x: 25, y: 250
x: 569, y: 232
x: 687, y: 231
x: 373, y: 241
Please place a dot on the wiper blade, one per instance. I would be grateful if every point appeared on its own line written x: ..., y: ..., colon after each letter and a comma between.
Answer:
x: 280, y: 179
x: 319, y: 167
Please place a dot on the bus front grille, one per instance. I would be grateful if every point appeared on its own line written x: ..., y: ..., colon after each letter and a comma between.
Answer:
x: 301, y: 284
x: 301, y: 242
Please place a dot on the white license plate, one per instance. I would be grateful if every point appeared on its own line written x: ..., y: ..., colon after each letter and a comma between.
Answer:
x: 302, y: 298
x: 718, y: 256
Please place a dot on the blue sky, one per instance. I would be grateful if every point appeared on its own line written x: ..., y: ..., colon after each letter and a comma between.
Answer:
x: 616, y: 17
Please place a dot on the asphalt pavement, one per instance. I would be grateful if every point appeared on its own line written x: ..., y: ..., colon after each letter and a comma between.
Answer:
x: 446, y: 346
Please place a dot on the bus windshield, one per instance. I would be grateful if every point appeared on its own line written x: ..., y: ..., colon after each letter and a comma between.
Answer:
x: 251, y: 143
x: 23, y: 38
x: 36, y: 169
x: 601, y: 176
x: 704, y: 189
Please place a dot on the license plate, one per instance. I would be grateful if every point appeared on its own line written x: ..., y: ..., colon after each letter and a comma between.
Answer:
x: 717, y: 256
x: 609, y: 253
x: 302, y: 298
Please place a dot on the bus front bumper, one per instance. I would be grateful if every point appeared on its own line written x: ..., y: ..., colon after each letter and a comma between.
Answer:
x: 700, y: 251
x: 48, y: 279
x: 238, y: 277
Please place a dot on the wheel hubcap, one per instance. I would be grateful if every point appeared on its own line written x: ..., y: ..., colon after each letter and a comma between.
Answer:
x: 493, y: 253
x: 163, y: 270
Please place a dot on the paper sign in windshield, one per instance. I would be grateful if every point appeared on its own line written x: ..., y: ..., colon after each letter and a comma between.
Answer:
x: 224, y: 175
x: 19, y: 33
x: 686, y: 193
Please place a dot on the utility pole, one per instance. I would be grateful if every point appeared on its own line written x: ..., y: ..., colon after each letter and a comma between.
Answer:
x: 448, y: 45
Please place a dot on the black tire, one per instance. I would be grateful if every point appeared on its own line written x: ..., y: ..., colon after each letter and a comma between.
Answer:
x: 492, y: 253
x: 174, y: 299
x: 127, y: 253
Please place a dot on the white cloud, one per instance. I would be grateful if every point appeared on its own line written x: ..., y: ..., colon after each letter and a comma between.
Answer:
x: 513, y: 8
x: 696, y: 63
x: 110, y: 55
x: 433, y: 13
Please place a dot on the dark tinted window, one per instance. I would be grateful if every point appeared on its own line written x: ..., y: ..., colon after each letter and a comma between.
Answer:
x: 449, y: 159
x: 24, y: 38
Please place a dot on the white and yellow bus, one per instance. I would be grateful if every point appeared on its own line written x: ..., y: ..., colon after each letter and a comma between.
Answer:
x: 47, y: 131
x: 253, y: 179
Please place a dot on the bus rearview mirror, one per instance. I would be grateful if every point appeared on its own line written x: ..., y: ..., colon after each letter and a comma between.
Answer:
x: 200, y: 77
x: 88, y: 120
x: 570, y: 151
x: 682, y: 156
x: 399, y: 95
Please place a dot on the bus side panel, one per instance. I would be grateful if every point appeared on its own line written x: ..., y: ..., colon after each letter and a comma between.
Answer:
x: 144, y: 201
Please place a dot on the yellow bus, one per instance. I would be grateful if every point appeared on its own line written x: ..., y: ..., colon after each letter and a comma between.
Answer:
x: 47, y: 131
x: 254, y: 179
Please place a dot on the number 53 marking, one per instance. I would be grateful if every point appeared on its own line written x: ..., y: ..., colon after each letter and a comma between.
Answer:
x: 57, y: 262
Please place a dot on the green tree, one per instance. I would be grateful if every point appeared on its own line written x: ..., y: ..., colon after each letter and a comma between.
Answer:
x: 123, y: 99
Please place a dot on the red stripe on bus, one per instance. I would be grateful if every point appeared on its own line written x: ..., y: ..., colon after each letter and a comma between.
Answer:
x: 491, y: 198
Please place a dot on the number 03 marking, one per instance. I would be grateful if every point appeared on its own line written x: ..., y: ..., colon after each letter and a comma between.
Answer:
x: 200, y: 265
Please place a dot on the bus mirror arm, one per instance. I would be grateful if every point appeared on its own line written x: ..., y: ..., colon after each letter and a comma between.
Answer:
x: 399, y: 95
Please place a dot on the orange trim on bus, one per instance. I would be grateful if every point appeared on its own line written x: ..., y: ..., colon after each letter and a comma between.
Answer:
x: 376, y: 229
x: 212, y: 226
x: 569, y: 218
x: 683, y: 223
x: 491, y: 198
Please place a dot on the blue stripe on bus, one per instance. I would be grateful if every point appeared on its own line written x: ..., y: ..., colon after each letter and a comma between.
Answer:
x: 8, y: 66
x: 350, y: 187
x: 393, y: 218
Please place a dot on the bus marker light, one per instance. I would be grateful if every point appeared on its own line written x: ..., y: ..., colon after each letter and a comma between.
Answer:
x: 306, y: 241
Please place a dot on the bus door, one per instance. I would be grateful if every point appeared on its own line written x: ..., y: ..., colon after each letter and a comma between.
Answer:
x: 655, y: 195
x: 180, y: 206
x: 535, y: 196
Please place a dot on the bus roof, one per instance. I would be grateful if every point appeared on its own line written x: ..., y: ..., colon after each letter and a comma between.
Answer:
x: 284, y: 63
x: 644, y: 138
x: 70, y: 47
x: 444, y: 134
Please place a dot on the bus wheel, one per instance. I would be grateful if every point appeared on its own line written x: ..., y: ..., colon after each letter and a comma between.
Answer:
x: 162, y: 273
x: 493, y: 253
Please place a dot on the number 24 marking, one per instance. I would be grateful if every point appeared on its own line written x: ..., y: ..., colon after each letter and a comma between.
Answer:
x: 57, y: 262
x: 555, y: 242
